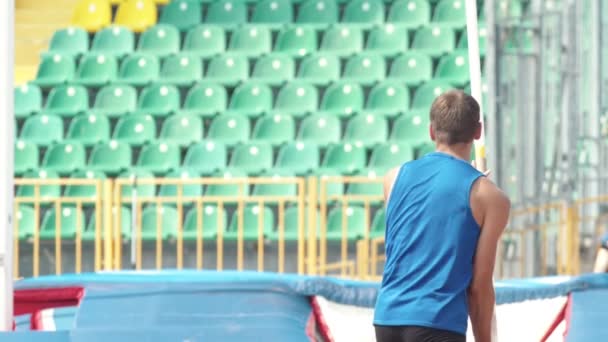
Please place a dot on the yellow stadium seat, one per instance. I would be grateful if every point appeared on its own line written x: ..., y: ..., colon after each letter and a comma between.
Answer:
x: 92, y: 15
x: 138, y: 15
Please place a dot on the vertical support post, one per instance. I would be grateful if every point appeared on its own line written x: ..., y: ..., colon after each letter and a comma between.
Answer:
x: 108, y: 226
x: 312, y: 226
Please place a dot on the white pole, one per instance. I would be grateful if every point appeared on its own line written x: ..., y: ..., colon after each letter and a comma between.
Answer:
x: 6, y: 158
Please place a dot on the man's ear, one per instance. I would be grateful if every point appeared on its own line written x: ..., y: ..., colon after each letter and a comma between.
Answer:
x: 478, y: 131
x: 432, y: 132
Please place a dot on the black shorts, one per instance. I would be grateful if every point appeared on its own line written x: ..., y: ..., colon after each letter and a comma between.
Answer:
x: 415, y: 334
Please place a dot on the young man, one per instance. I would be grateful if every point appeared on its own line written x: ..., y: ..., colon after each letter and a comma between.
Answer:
x: 443, y: 223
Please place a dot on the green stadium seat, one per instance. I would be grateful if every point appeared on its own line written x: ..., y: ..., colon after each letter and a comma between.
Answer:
x: 372, y: 188
x: 188, y: 190
x: 28, y: 100
x: 250, y: 224
x: 355, y: 223
x: 274, y: 69
x: 275, y: 189
x: 54, y: 69
x: 326, y: 188
x: 26, y: 157
x: 96, y: 70
x: 450, y: 13
x: 206, y: 157
x: 411, y: 68
x: 228, y: 69
x: 89, y: 129
x: 318, y: 12
x: 181, y: 70
x: 297, y: 40
x: 71, y: 220
x: 227, y: 13
x: 424, y: 149
x: 134, y: 175
x: 320, y: 128
x: 206, y: 99
x: 463, y: 42
x: 319, y: 69
x: 392, y: 154
x: 111, y: 157
x: 412, y: 127
x: 115, y: 100
x: 158, y: 157
x: 342, y: 40
x: 205, y: 41
x: 343, y: 98
x: 135, y: 129
x: 160, y: 40
x: 387, y: 40
x: 290, y: 225
x: 378, y: 228
x: 272, y: 12
x: 182, y: 129
x: 388, y: 98
x: 24, y: 222
x: 137, y: 15
x: 434, y: 40
x: 251, y: 98
x: 229, y: 190
x: 297, y: 98
x: 410, y: 13
x: 42, y: 129
x: 92, y: 15
x: 454, y: 69
x: 159, y: 100
x: 426, y: 93
x: 69, y: 41
x: 88, y: 191
x: 229, y: 128
x: 125, y: 225
x: 182, y: 14
x: 67, y: 100
x: 45, y: 191
x: 64, y: 157
x: 299, y: 158
x: 274, y: 129
x: 155, y: 218
x: 114, y: 41
x: 366, y: 130
x: 211, y: 219
x: 364, y: 12
x: 365, y: 69
x: 250, y: 41
x: 345, y: 158
x: 139, y: 69
x: 252, y: 157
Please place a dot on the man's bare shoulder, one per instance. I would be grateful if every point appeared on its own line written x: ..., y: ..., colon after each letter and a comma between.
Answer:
x: 389, y: 180
x: 487, y: 197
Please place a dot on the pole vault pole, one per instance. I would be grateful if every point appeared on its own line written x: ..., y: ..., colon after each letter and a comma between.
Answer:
x: 475, y: 78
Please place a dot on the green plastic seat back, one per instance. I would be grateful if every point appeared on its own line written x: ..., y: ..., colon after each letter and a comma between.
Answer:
x: 24, y: 222
x: 229, y: 128
x: 97, y: 66
x: 229, y: 190
x: 111, y: 155
x: 45, y: 191
x: 389, y: 155
x: 354, y: 221
x: 205, y: 40
x: 28, y: 100
x: 182, y: 129
x: 318, y: 12
x: 296, y: 40
x: 412, y: 127
x: 70, y: 41
x: 378, y: 224
x: 160, y: 40
x: 424, y: 149
x: 387, y: 39
x: 141, y: 68
x: 159, y: 155
x: 165, y: 216
x: 89, y: 128
x: 411, y: 68
x: 26, y: 157
x: 251, y: 213
x: 434, y: 40
x: 297, y: 98
x: 272, y: 12
x: 344, y: 157
x: 55, y: 68
x: 206, y: 157
x: 454, y: 68
x: 135, y: 129
x: 426, y: 94
x: 450, y: 12
x: 211, y: 219
x: 226, y: 12
x: 252, y: 97
x: 182, y: 67
x: 371, y: 188
x: 278, y: 188
x: 388, y: 96
x: 134, y: 175
x: 208, y: 97
x: 342, y: 40
x: 125, y: 223
x: 274, y: 67
x: 365, y: 67
x: 343, y: 97
x: 114, y: 40
x: 252, y: 157
x: 366, y: 129
x: 187, y: 190
x: 463, y: 42
x: 182, y: 14
x: 228, y: 68
x: 274, y: 129
x: 364, y: 11
x: 328, y: 188
x: 320, y: 128
x: 85, y: 190
x: 42, y: 129
x: 116, y: 99
x: 412, y: 13
x: 250, y: 40
x: 320, y: 66
x: 159, y: 98
x: 68, y: 98
x: 71, y: 219
x: 298, y: 157
x: 64, y: 157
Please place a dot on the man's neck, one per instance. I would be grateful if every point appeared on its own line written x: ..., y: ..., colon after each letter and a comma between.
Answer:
x: 461, y: 151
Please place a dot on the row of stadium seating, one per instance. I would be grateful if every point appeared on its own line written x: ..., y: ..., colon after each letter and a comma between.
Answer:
x: 72, y: 220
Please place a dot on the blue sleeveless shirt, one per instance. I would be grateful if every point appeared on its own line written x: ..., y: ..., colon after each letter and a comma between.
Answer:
x: 431, y: 238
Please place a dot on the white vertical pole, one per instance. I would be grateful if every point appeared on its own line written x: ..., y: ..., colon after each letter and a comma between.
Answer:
x: 7, y: 31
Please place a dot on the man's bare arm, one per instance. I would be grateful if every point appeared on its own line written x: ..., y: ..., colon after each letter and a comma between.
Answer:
x: 496, y: 207
x: 389, y: 180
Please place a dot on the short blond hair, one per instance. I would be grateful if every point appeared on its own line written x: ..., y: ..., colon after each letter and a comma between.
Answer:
x: 455, y: 117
